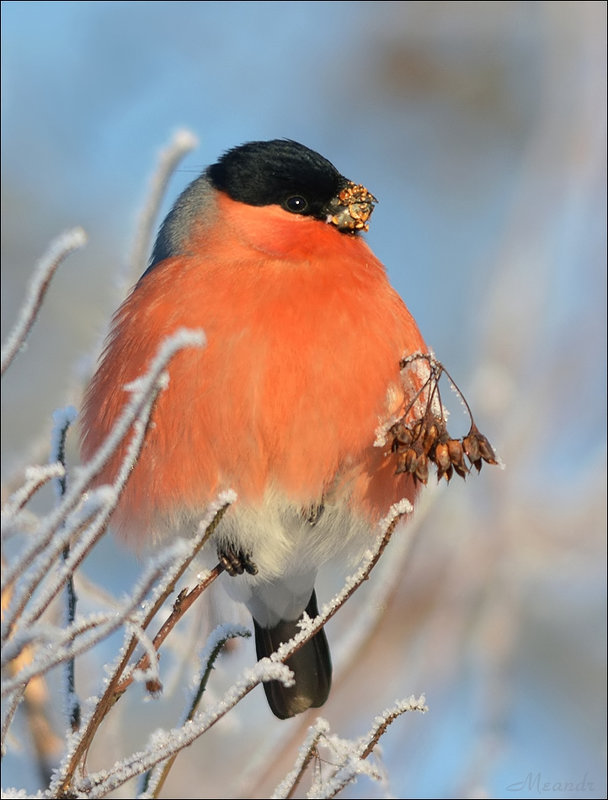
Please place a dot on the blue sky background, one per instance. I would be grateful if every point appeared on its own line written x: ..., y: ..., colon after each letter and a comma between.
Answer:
x: 481, y: 129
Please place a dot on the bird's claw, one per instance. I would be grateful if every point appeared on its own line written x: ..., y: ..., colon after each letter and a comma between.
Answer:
x: 235, y: 562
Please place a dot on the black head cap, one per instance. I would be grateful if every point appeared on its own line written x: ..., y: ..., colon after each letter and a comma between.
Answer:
x: 280, y: 172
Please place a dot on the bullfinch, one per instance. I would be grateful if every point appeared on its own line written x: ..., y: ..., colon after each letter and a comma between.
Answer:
x: 305, y: 336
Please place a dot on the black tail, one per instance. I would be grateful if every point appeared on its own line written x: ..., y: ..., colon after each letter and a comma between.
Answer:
x: 311, y: 666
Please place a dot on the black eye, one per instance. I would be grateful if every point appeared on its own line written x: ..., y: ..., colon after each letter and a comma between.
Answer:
x: 296, y: 204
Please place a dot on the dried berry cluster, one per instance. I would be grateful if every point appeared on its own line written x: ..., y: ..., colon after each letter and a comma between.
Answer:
x: 426, y: 440
x: 358, y: 205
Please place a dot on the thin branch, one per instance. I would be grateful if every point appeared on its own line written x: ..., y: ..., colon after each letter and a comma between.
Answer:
x: 35, y: 478
x: 9, y: 709
x: 182, y: 143
x: 155, y: 779
x: 66, y: 646
x: 165, y: 745
x: 307, y: 752
x: 312, y: 627
x: 63, y: 643
x: 381, y: 591
x: 272, y: 668
x: 136, y: 408
x: 382, y: 722
x: 353, y: 766
x: 113, y: 692
x: 88, y: 538
x: 145, y: 392
x: 62, y: 420
x: 352, y: 639
x: 183, y: 602
x: 47, y: 745
x: 61, y: 247
x: 69, y: 643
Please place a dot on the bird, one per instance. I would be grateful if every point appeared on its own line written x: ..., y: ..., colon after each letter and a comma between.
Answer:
x: 264, y: 251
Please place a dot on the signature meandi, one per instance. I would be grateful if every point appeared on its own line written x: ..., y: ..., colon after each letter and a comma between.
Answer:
x: 534, y: 781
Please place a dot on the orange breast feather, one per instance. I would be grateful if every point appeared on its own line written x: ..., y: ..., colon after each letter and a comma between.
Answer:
x: 304, y: 337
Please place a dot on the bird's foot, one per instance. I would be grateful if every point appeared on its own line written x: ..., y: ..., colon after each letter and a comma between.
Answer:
x: 235, y: 562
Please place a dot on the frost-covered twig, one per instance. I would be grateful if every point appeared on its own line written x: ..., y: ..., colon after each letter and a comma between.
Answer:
x: 156, y: 778
x: 164, y: 744
x: 183, y: 142
x: 46, y: 743
x: 352, y: 639
x: 184, y: 601
x: 353, y: 755
x: 385, y: 719
x: 312, y: 626
x: 387, y: 580
x: 53, y: 580
x: 58, y: 528
x: 213, y: 647
x: 97, y: 508
x: 9, y: 708
x: 57, y: 645
x: 369, y: 561
x: 138, y: 408
x: 306, y: 753
x: 64, y: 644
x: 60, y: 248
x: 35, y: 478
x: 62, y: 420
x: 142, y: 390
x: 183, y: 552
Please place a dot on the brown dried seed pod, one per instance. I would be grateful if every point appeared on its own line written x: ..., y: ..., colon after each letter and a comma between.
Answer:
x: 416, y: 429
x: 442, y: 431
x: 445, y: 472
x: 442, y: 457
x: 411, y: 459
x: 471, y: 447
x: 455, y: 450
x: 461, y: 470
x: 401, y: 464
x: 485, y: 449
x: 422, y: 468
x: 430, y: 437
x: 402, y: 433
x: 457, y: 457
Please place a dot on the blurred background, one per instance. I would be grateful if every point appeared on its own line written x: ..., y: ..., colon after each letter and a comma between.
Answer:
x: 481, y: 128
